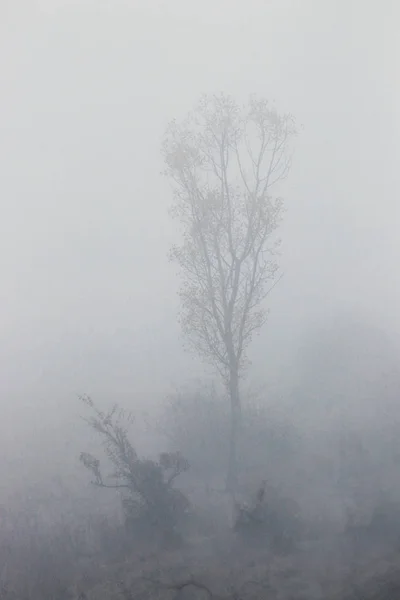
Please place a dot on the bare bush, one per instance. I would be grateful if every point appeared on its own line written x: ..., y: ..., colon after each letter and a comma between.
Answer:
x: 269, y: 518
x: 150, y: 497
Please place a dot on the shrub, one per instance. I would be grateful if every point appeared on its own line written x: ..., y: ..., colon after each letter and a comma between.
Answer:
x: 269, y: 518
x: 150, y: 498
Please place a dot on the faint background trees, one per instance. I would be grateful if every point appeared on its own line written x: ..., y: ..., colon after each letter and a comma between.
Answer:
x: 196, y: 419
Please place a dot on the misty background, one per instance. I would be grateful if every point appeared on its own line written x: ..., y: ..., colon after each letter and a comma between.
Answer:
x: 88, y: 302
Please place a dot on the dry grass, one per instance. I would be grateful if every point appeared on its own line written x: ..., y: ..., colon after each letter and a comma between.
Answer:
x: 252, y: 575
x: 81, y: 554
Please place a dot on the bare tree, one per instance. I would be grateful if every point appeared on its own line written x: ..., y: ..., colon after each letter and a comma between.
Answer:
x: 224, y: 162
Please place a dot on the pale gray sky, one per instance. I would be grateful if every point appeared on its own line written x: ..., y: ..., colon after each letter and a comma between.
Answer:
x: 88, y: 299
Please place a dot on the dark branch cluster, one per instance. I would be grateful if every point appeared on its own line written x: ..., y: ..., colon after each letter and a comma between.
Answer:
x: 148, y: 483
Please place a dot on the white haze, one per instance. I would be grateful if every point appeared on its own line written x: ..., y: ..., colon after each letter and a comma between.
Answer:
x: 88, y: 299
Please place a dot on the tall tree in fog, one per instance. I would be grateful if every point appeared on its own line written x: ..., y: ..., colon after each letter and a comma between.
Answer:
x: 224, y: 162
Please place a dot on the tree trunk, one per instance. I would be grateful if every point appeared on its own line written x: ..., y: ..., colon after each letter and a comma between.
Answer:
x: 236, y: 417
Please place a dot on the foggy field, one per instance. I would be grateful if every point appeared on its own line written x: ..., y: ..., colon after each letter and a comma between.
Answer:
x: 200, y: 332
x: 331, y: 528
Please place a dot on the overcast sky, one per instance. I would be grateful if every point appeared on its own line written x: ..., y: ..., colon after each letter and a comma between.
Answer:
x: 88, y: 300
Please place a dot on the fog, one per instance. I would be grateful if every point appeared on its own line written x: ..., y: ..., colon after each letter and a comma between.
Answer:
x: 89, y: 299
